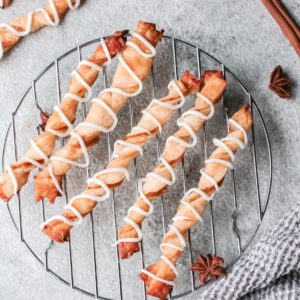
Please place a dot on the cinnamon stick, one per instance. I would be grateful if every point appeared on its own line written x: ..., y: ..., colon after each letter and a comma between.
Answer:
x: 285, y: 22
x: 4, y: 3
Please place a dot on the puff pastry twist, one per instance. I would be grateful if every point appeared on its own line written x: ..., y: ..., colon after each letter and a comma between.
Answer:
x: 124, y: 153
x: 101, y: 183
x: 64, y: 118
x: 134, y: 66
x: 50, y: 16
x: 160, y: 277
x: 201, y: 193
x: 60, y: 122
x: 155, y: 183
x: 180, y: 123
x: 109, y: 111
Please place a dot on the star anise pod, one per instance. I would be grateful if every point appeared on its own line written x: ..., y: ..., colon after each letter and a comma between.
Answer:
x: 43, y: 119
x: 209, y: 268
x: 279, y: 83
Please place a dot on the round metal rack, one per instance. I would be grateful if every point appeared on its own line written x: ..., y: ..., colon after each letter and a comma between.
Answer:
x: 261, y: 198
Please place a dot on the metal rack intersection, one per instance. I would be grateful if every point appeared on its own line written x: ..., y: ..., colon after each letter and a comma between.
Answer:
x: 261, y: 208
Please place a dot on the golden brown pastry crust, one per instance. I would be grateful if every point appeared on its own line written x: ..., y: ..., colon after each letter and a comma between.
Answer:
x: 38, y: 21
x: 141, y: 66
x: 46, y: 140
x: 58, y: 230
x: 217, y: 171
x: 173, y: 153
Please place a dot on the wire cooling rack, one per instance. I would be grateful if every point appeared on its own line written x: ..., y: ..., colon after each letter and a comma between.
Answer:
x: 231, y: 222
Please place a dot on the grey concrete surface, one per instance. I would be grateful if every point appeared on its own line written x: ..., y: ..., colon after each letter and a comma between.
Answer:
x: 238, y: 32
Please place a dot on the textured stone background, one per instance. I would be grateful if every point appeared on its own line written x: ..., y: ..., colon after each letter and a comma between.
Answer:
x: 239, y: 33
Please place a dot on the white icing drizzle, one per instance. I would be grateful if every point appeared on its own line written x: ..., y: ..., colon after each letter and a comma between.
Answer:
x: 13, y: 178
x: 210, y: 179
x: 1, y: 3
x: 153, y: 118
x: 192, y: 209
x: 97, y: 126
x: 166, y: 259
x: 126, y: 146
x: 140, y: 129
x: 37, y: 149
x: 242, y: 144
x: 84, y: 151
x: 94, y: 179
x: 170, y: 264
x: 76, y: 97
x: 211, y: 106
x: 166, y: 105
x: 218, y: 143
x: 161, y: 178
x: 47, y: 17
x: 226, y: 163
x: 162, y: 245
x: 179, y: 235
x: 29, y: 21
x: 68, y: 123
x: 168, y: 282
x: 152, y: 174
x: 101, y: 102
x: 65, y: 120
x: 145, y: 42
x: 75, y: 5
x: 181, y: 122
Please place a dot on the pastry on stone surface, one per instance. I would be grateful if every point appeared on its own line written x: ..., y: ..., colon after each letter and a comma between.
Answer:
x: 59, y: 123
x: 159, y: 277
x: 50, y: 15
x: 156, y: 183
x: 134, y: 66
x: 126, y: 150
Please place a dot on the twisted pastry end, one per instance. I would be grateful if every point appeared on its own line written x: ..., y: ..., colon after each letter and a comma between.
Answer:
x: 157, y: 288
x: 160, y: 276
x: 130, y: 236
x: 61, y: 120
x: 143, y: 42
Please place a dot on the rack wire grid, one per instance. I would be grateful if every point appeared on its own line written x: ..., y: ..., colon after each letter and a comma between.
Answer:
x: 87, y: 262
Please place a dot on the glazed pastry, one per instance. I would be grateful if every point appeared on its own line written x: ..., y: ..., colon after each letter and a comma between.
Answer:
x: 125, y: 151
x: 156, y: 183
x: 4, y: 3
x: 51, y: 15
x: 134, y: 66
x: 60, y: 121
x: 160, y: 276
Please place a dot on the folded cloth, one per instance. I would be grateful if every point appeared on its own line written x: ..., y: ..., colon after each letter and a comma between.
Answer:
x: 271, y: 270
